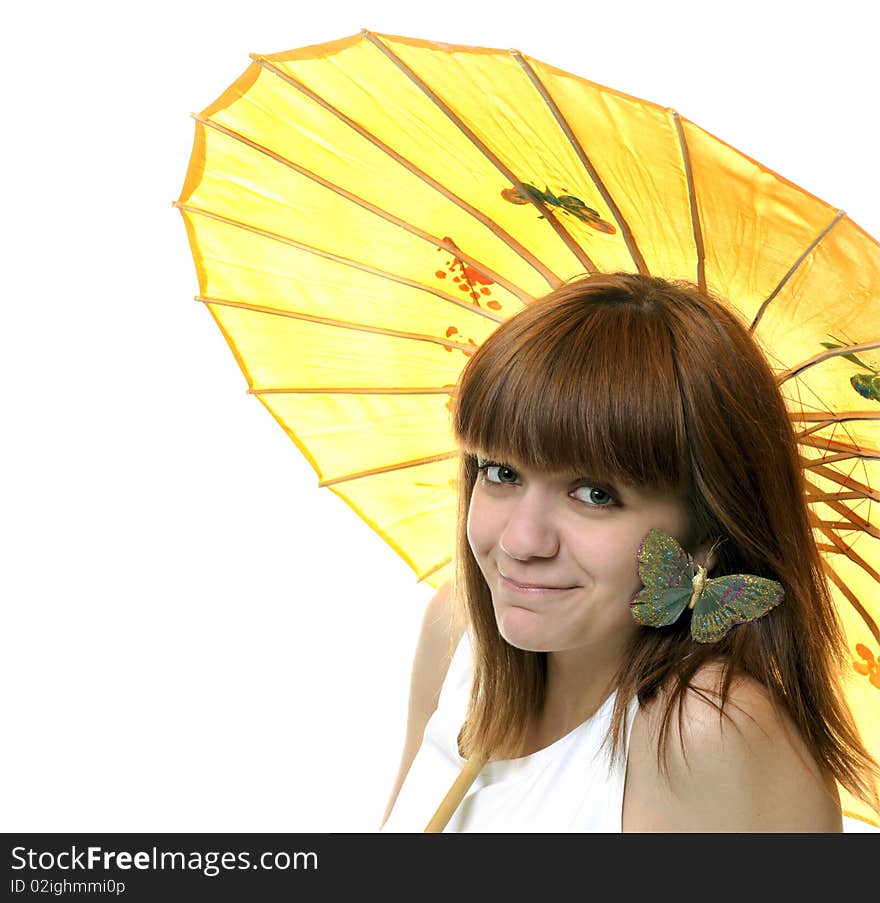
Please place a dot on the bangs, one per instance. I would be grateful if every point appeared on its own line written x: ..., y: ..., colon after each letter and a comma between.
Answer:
x: 578, y: 384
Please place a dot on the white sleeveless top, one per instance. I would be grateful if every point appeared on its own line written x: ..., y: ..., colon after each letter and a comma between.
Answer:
x: 565, y: 787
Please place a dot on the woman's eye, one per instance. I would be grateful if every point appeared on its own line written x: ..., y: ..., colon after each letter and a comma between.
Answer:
x: 499, y: 473
x: 595, y: 496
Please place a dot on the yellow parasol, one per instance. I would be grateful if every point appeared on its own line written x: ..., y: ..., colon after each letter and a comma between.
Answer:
x: 363, y: 213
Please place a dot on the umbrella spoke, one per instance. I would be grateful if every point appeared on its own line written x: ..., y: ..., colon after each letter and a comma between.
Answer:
x: 870, y: 623
x: 692, y: 201
x: 854, y: 524
x: 843, y: 549
x: 839, y: 215
x: 840, y: 547
x: 833, y: 459
x: 829, y: 473
x: 389, y: 468
x: 824, y: 356
x: 835, y: 445
x: 496, y: 277
x: 353, y: 390
x: 341, y: 324
x: 456, y: 120
x: 841, y: 496
x: 551, y: 278
x: 345, y: 261
x: 434, y: 569
x: 835, y: 501
x: 628, y: 237
x: 827, y: 418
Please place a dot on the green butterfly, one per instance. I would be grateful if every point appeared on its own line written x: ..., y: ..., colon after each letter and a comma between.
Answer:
x: 672, y: 583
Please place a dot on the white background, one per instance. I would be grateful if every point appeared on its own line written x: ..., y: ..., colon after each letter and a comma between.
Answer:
x: 195, y: 637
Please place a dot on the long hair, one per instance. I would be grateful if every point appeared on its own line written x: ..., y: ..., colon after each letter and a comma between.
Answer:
x: 660, y: 385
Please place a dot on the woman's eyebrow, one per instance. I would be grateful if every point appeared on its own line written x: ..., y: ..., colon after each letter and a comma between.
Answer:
x: 498, y: 458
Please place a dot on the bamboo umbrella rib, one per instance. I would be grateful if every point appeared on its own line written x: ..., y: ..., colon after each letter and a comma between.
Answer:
x: 345, y: 261
x: 825, y: 424
x: 838, y: 216
x: 829, y: 417
x: 852, y: 526
x: 692, y: 201
x: 453, y: 117
x: 841, y: 496
x: 816, y: 408
x: 352, y: 390
x: 853, y: 600
x: 496, y: 277
x: 863, y: 451
x: 853, y: 519
x: 502, y: 234
x: 842, y: 548
x: 870, y: 623
x: 826, y: 418
x: 340, y: 324
x: 841, y: 479
x: 824, y: 356
x: 858, y: 560
x: 830, y: 459
x: 433, y: 570
x: 798, y: 390
x: 388, y: 468
x: 625, y: 230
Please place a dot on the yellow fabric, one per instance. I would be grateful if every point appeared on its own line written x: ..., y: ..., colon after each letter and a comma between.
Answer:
x: 359, y: 220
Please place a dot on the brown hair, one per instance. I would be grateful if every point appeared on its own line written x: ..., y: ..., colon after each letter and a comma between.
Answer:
x: 658, y: 384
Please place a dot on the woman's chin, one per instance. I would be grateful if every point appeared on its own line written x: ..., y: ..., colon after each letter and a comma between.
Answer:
x: 524, y: 629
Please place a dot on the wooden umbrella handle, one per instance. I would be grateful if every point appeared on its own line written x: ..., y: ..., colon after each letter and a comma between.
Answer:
x: 455, y: 795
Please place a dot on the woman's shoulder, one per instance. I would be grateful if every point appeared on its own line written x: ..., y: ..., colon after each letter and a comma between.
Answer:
x: 440, y: 633
x: 746, y: 769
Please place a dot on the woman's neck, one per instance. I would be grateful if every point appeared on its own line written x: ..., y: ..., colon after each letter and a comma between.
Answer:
x: 579, y: 681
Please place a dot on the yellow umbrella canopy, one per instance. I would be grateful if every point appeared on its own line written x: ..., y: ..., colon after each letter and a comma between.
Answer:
x: 363, y: 213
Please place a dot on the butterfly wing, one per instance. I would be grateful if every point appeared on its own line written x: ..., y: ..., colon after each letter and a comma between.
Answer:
x: 729, y: 600
x: 667, y: 572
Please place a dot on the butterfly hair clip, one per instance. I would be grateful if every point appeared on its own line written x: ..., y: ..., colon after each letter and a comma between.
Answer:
x: 673, y: 583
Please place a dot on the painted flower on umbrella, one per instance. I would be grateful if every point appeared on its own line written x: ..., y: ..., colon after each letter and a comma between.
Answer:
x: 868, y: 666
x: 452, y: 333
x: 469, y: 279
x: 477, y: 285
x: 568, y: 203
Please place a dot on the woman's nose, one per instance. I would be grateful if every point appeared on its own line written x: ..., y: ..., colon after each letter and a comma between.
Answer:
x: 529, y: 531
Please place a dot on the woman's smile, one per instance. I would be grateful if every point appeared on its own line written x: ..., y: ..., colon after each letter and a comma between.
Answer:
x: 530, y: 588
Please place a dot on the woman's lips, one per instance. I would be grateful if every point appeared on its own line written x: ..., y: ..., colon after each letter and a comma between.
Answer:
x: 530, y: 588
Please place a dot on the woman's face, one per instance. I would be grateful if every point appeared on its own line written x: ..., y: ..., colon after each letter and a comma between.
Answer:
x: 558, y: 551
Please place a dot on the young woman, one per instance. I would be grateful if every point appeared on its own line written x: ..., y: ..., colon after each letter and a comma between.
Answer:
x: 608, y: 432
